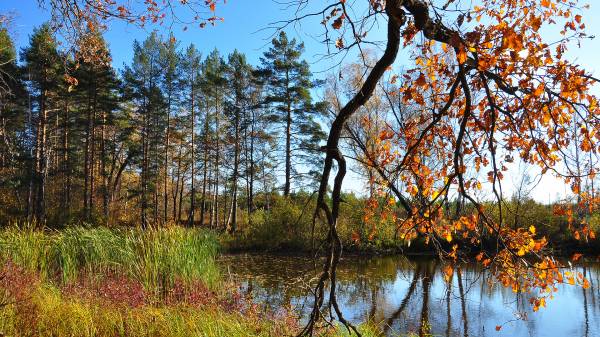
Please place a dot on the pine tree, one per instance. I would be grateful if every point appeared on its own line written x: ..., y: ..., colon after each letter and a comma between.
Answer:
x: 43, y: 69
x: 288, y: 81
x: 212, y: 85
x: 143, y: 82
x: 239, y: 77
x: 14, y: 159
x: 95, y: 101
x: 171, y: 84
x: 191, y: 67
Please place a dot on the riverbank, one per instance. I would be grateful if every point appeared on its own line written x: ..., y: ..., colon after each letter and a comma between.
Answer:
x: 84, y: 282
x: 236, y: 244
x: 287, y: 227
x: 101, y: 282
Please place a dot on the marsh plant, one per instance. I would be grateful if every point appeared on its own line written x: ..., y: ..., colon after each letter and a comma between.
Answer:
x: 156, y: 258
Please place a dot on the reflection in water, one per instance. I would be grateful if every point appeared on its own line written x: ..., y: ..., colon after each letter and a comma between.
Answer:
x: 462, y: 303
x: 411, y: 296
x: 404, y: 303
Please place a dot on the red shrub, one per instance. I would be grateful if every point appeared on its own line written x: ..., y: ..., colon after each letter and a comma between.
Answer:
x: 18, y: 285
x: 110, y: 289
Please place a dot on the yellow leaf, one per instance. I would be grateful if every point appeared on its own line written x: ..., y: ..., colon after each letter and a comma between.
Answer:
x: 532, y: 229
x: 462, y: 55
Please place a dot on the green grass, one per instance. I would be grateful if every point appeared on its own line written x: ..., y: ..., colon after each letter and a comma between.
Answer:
x: 153, y: 257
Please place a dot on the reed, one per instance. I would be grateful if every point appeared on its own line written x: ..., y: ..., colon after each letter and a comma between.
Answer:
x: 156, y: 258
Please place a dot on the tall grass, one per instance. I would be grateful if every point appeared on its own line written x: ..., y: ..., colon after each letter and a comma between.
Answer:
x: 156, y: 258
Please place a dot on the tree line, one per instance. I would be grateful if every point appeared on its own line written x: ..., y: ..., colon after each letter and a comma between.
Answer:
x: 173, y: 137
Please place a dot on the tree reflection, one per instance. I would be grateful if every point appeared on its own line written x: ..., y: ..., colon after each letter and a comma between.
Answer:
x: 411, y: 296
x: 461, y: 292
x: 405, y: 300
x: 426, y: 283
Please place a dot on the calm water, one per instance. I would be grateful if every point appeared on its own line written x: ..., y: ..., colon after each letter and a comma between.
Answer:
x: 400, y: 294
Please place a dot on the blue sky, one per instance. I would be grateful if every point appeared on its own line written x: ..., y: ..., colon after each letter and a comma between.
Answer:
x: 244, y: 29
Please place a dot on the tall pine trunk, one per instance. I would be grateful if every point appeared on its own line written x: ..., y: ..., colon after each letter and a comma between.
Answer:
x: 193, y: 168
x: 288, y: 139
x: 40, y: 159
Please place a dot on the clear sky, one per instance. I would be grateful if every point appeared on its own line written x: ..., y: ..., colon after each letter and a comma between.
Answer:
x: 246, y: 28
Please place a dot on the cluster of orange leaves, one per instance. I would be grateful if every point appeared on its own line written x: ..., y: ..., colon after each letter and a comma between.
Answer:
x: 524, y: 99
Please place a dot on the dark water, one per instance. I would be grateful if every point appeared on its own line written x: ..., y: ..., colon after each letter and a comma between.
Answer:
x: 410, y: 296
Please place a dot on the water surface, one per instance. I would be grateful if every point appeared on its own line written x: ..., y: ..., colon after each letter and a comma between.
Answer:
x: 411, y: 296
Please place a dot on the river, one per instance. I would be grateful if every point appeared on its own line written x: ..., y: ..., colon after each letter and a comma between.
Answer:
x: 410, y: 296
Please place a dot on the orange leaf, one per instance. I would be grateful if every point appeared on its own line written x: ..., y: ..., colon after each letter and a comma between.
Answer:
x: 337, y: 23
x: 355, y: 237
x: 421, y: 80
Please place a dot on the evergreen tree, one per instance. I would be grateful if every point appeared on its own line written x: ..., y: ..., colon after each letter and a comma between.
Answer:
x: 94, y: 102
x: 288, y: 81
x: 171, y: 84
x: 143, y: 80
x: 239, y: 77
x: 43, y: 70
x: 191, y: 67
x: 78, y: 143
x: 14, y: 158
x: 213, y: 86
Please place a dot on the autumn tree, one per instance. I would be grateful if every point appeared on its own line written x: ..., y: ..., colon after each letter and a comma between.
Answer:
x: 488, y: 87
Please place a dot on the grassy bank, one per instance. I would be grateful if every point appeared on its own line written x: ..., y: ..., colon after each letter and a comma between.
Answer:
x: 83, y: 282
x: 122, y: 282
